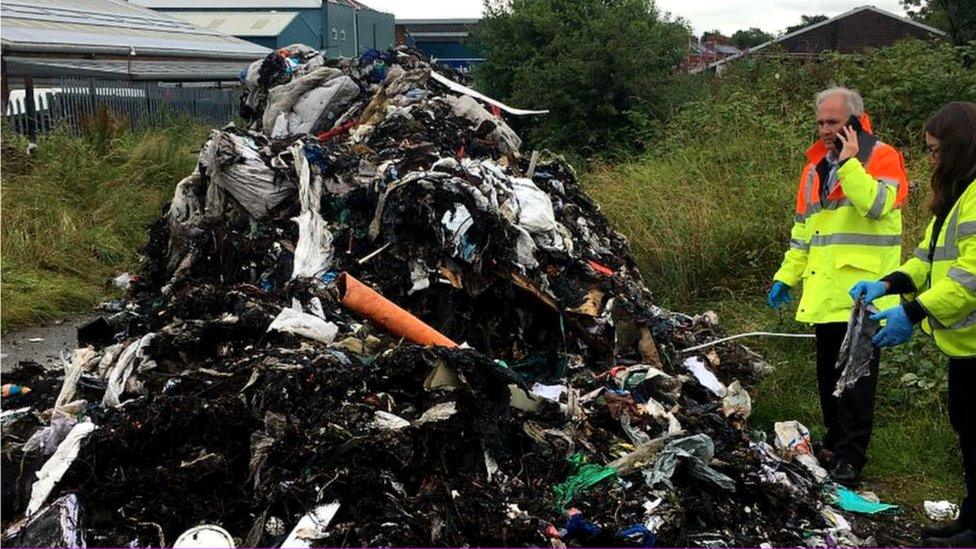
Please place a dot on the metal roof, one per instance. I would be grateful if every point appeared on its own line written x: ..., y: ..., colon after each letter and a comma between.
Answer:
x: 247, y: 4
x: 239, y: 23
x: 231, y: 4
x: 809, y: 28
x: 110, y: 27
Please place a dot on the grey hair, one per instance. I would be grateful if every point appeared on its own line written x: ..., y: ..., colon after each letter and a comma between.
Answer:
x: 852, y: 99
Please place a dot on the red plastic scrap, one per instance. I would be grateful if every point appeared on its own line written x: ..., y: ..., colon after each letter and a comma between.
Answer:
x: 552, y: 532
x: 338, y: 130
x: 599, y: 267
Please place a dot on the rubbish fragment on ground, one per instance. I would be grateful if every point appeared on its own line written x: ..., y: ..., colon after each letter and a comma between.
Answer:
x: 36, y: 339
x: 291, y: 340
x: 941, y: 511
x: 11, y: 389
x: 204, y: 536
x: 857, y: 348
x: 312, y: 528
x: 793, y: 442
x: 122, y: 281
x: 55, y: 467
x: 697, y: 367
x: 849, y: 500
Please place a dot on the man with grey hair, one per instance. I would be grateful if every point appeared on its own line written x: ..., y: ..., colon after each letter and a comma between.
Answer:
x: 847, y: 224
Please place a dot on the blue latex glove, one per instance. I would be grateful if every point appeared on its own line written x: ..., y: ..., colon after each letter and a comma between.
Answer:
x: 898, y: 330
x: 868, y: 289
x: 779, y: 295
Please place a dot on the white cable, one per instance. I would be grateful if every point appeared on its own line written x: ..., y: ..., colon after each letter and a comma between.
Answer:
x: 750, y: 334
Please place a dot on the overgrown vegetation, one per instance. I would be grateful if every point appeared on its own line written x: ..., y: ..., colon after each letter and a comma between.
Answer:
x: 601, y: 67
x: 75, y: 212
x: 708, y: 212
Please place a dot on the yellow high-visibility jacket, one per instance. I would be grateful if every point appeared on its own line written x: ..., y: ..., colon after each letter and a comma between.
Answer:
x: 946, y: 285
x: 852, y: 234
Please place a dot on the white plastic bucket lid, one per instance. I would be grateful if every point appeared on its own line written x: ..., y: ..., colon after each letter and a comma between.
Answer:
x: 205, y: 535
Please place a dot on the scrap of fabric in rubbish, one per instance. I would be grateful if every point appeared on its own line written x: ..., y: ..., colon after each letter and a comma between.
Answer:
x: 312, y: 527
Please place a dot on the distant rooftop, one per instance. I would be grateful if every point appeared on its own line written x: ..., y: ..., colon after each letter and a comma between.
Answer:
x: 239, y: 23
x: 110, y: 27
x: 247, y: 4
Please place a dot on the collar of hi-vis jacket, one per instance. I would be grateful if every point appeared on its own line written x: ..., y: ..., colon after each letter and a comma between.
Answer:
x: 817, y: 154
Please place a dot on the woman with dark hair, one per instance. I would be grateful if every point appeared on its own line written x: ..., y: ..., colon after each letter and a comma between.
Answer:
x: 942, y: 277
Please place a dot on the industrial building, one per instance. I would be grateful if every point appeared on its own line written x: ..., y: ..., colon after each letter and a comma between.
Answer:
x: 339, y: 28
x: 449, y: 41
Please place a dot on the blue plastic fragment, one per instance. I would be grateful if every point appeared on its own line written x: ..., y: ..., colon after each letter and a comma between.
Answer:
x: 330, y: 276
x: 579, y: 528
x: 639, y: 534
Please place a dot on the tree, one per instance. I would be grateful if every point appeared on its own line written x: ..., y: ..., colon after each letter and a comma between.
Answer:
x: 748, y: 38
x: 806, y: 21
x: 597, y: 65
x: 956, y: 17
x: 711, y: 35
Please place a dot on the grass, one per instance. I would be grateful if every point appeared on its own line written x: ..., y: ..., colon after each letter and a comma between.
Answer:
x: 75, y: 212
x: 708, y: 222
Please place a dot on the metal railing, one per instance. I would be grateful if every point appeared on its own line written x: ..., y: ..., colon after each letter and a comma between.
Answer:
x: 143, y: 104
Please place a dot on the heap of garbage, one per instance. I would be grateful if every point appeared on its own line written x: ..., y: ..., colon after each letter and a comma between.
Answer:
x: 368, y: 319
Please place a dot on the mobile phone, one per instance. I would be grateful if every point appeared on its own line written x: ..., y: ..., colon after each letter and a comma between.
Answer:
x: 853, y: 122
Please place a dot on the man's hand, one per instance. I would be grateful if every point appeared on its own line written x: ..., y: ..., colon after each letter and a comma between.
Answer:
x: 848, y: 138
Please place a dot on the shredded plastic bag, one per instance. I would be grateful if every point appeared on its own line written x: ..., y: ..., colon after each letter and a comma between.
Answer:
x: 857, y: 350
x: 585, y: 477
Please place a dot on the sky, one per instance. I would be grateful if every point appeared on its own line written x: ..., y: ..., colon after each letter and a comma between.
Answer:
x: 727, y: 16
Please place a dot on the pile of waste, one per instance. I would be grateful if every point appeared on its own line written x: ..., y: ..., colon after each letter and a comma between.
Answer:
x: 368, y: 319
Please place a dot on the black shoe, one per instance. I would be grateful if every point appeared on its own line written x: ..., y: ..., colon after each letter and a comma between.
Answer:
x: 944, y: 530
x: 966, y: 538
x: 844, y: 474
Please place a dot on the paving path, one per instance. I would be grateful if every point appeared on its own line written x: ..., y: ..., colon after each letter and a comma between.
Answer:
x: 23, y: 345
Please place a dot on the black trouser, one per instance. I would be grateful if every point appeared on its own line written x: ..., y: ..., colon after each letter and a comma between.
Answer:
x: 962, y: 415
x: 850, y: 417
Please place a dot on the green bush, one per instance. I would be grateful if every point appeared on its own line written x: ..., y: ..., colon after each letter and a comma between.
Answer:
x: 76, y: 211
x: 599, y: 66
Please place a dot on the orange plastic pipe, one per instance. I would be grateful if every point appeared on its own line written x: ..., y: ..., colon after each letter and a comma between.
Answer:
x: 360, y: 298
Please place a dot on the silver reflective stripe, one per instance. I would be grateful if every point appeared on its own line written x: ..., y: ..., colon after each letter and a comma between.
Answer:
x: 922, y: 254
x: 966, y: 278
x: 942, y: 253
x: 964, y: 323
x: 950, y: 234
x: 854, y: 238
x: 834, y: 205
x: 877, y: 208
x: 798, y: 244
x: 966, y: 229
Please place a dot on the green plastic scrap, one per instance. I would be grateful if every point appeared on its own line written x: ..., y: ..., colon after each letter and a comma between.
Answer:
x: 850, y: 500
x: 586, y: 476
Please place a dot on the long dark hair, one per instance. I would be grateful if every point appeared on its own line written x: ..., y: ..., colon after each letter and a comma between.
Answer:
x: 954, y: 125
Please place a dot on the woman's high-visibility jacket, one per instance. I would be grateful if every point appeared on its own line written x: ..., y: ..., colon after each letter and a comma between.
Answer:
x: 852, y: 234
x: 946, y: 286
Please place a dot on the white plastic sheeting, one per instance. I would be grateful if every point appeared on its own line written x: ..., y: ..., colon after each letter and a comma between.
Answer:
x: 313, y: 251
x: 57, y: 465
